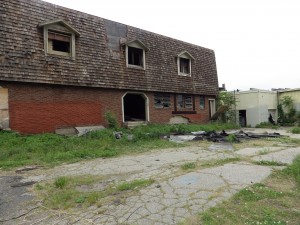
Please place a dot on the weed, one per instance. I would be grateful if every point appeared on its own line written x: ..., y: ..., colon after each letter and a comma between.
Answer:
x: 189, y: 165
x: 293, y: 170
x: 52, y: 149
x: 267, y: 125
x: 295, y: 130
x: 232, y: 138
x: 81, y: 199
x: 220, y: 162
x: 264, y: 152
x: 134, y: 184
x: 270, y: 163
x: 64, y: 192
x: 60, y: 182
x: 272, y: 202
x: 112, y: 121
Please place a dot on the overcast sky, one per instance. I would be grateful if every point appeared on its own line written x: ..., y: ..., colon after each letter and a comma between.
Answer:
x: 256, y: 42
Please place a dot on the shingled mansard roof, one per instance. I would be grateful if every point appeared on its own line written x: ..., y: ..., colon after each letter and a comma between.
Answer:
x: 100, y: 59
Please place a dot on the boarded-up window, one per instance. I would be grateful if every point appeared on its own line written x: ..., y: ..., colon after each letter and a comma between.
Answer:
x: 162, y: 100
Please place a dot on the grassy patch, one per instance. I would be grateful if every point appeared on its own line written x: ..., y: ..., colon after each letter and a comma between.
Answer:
x: 275, y: 201
x: 220, y: 162
x: 264, y: 152
x: 50, y: 149
x: 188, y: 166
x: 232, y: 138
x: 134, y: 184
x: 270, y: 163
x: 63, y: 192
x: 295, y: 130
x: 267, y: 125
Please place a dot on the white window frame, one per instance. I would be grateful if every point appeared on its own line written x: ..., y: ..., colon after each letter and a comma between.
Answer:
x: 185, y: 55
x: 140, y: 45
x: 47, y: 44
x: 60, y: 27
x: 50, y: 50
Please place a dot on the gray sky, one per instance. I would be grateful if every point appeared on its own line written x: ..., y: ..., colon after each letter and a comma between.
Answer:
x: 257, y: 42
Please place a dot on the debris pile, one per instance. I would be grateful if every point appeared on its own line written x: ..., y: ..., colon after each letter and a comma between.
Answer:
x: 222, y: 136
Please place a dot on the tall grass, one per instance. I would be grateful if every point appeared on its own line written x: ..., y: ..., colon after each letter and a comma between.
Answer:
x: 51, y: 149
x: 275, y: 201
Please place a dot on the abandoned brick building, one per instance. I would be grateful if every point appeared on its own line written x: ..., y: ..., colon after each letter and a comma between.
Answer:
x: 60, y: 68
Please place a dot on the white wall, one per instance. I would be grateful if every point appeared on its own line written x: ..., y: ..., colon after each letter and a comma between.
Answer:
x: 295, y: 94
x: 258, y: 105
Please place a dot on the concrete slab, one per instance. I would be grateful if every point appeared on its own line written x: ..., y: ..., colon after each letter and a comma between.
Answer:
x: 224, y: 146
x: 257, y: 151
x: 285, y: 156
x: 181, y: 138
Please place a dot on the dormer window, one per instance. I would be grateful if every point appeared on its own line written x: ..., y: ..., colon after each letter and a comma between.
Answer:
x: 59, y: 44
x: 59, y: 38
x: 184, y: 66
x: 136, y: 54
x: 184, y: 63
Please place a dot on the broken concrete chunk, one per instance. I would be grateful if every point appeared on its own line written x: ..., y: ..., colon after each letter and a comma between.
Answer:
x: 84, y: 130
x: 68, y: 131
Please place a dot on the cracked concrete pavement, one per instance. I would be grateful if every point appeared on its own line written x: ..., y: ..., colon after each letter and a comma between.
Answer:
x: 174, y: 196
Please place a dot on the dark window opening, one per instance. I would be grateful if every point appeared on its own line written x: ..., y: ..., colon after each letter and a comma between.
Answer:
x: 184, y: 102
x: 202, y: 102
x: 134, y: 107
x: 243, y: 118
x: 60, y: 46
x: 162, y: 101
x: 135, y: 56
x: 59, y: 42
x: 184, y: 65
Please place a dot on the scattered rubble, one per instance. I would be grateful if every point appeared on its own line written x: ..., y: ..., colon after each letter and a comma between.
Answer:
x: 222, y: 136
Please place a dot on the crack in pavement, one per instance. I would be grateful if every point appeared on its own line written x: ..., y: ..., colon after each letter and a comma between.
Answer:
x: 174, y: 195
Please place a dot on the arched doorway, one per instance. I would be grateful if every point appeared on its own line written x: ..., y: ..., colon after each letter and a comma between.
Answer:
x: 135, y: 107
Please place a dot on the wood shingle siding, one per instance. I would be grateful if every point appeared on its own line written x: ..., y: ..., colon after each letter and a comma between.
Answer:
x: 100, y: 59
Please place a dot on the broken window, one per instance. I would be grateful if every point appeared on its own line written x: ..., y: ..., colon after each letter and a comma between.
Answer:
x: 184, y: 65
x: 184, y: 102
x: 202, y: 102
x: 135, y: 56
x: 59, y: 38
x: 162, y: 101
x: 59, y: 44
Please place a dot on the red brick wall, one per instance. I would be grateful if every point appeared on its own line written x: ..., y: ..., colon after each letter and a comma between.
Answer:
x: 164, y: 115
x: 39, y: 108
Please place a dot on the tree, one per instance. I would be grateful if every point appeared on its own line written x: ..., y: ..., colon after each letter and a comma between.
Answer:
x: 286, y: 111
x: 227, y: 100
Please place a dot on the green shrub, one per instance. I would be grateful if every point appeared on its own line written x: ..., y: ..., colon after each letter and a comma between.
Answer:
x: 295, y: 130
x: 232, y: 138
x: 112, y: 121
